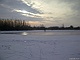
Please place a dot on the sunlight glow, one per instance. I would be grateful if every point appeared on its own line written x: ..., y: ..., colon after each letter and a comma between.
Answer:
x: 34, y: 23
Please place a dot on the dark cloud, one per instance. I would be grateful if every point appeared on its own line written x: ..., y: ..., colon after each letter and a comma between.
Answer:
x: 17, y: 4
x: 1, y: 1
x: 6, y: 7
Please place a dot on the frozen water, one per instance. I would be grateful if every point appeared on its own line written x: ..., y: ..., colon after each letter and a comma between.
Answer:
x: 40, y: 45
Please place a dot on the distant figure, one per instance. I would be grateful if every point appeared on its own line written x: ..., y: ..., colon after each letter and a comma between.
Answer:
x: 44, y: 30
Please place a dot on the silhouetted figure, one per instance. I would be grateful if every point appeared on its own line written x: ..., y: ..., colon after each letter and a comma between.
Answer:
x: 44, y: 30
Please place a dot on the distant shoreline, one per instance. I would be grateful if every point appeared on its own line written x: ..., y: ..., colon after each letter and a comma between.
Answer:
x: 37, y: 30
x: 18, y: 25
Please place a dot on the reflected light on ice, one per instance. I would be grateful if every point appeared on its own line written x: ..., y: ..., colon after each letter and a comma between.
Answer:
x: 24, y: 33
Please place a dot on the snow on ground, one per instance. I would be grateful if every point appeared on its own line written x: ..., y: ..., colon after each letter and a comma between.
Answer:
x: 40, y: 45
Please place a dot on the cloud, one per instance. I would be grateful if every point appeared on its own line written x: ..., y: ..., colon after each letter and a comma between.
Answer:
x: 57, y: 9
x: 1, y: 1
x: 26, y: 13
x: 44, y: 11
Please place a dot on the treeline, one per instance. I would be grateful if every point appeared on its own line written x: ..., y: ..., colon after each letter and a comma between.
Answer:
x: 6, y: 24
x: 10, y: 24
x: 64, y: 28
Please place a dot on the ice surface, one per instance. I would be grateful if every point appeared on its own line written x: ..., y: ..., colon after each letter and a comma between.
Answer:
x: 40, y: 45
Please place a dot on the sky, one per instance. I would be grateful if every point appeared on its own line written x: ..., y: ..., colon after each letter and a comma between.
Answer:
x: 46, y: 12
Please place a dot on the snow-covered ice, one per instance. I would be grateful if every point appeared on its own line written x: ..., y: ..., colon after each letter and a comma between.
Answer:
x: 40, y: 45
